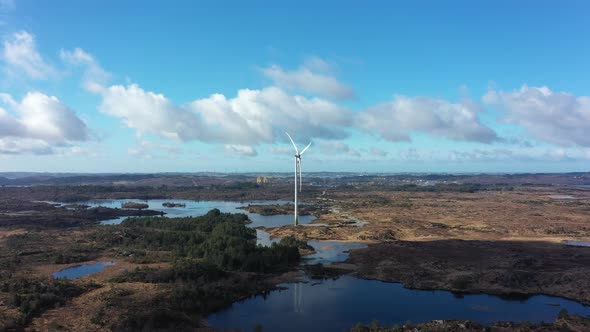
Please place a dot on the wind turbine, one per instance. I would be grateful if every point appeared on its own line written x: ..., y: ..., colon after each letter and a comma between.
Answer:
x: 297, y: 167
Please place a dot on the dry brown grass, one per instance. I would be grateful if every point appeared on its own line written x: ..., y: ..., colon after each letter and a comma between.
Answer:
x: 523, y: 214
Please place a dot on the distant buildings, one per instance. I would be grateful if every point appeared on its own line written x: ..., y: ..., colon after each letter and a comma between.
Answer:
x: 261, y: 180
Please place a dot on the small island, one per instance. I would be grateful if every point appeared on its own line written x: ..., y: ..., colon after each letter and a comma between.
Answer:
x: 172, y: 204
x: 134, y: 205
x: 277, y: 209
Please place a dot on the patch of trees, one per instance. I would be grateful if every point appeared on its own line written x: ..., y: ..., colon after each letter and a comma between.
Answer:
x: 222, y: 239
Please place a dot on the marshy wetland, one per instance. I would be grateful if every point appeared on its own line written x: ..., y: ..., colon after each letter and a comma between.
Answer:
x: 479, y: 253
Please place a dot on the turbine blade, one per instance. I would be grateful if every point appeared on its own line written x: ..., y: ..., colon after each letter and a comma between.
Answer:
x: 295, y: 146
x: 307, y: 147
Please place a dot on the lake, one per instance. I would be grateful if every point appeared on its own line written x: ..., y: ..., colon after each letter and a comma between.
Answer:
x: 336, y: 305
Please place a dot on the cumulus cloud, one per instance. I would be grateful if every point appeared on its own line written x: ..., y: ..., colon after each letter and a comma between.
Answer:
x: 555, y: 117
x: 314, y: 76
x: 397, y: 119
x: 252, y: 117
x: 262, y: 116
x: 245, y: 150
x: 20, y: 55
x: 149, y: 112
x: 95, y: 77
x: 37, y: 123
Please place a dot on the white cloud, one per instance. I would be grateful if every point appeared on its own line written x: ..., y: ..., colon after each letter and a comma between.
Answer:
x: 240, y: 149
x: 314, y: 76
x: 263, y: 116
x: 397, y: 119
x: 20, y: 55
x: 14, y: 146
x: 149, y: 112
x: 556, y: 117
x: 252, y: 117
x: 95, y: 77
x: 37, y: 123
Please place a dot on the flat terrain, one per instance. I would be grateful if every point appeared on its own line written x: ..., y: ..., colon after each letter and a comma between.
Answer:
x: 524, y: 213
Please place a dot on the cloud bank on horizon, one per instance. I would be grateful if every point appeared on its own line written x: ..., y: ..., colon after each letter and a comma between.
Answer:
x: 308, y: 100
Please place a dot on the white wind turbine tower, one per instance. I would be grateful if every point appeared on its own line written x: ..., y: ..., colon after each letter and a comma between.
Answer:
x: 297, y: 167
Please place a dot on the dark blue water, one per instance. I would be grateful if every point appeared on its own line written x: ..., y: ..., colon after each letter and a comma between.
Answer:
x: 199, y: 208
x: 336, y: 305
x: 78, y: 271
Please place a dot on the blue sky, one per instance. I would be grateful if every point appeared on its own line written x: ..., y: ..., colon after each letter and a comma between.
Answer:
x: 386, y: 86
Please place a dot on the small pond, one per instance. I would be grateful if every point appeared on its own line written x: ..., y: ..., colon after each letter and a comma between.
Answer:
x: 75, y: 272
